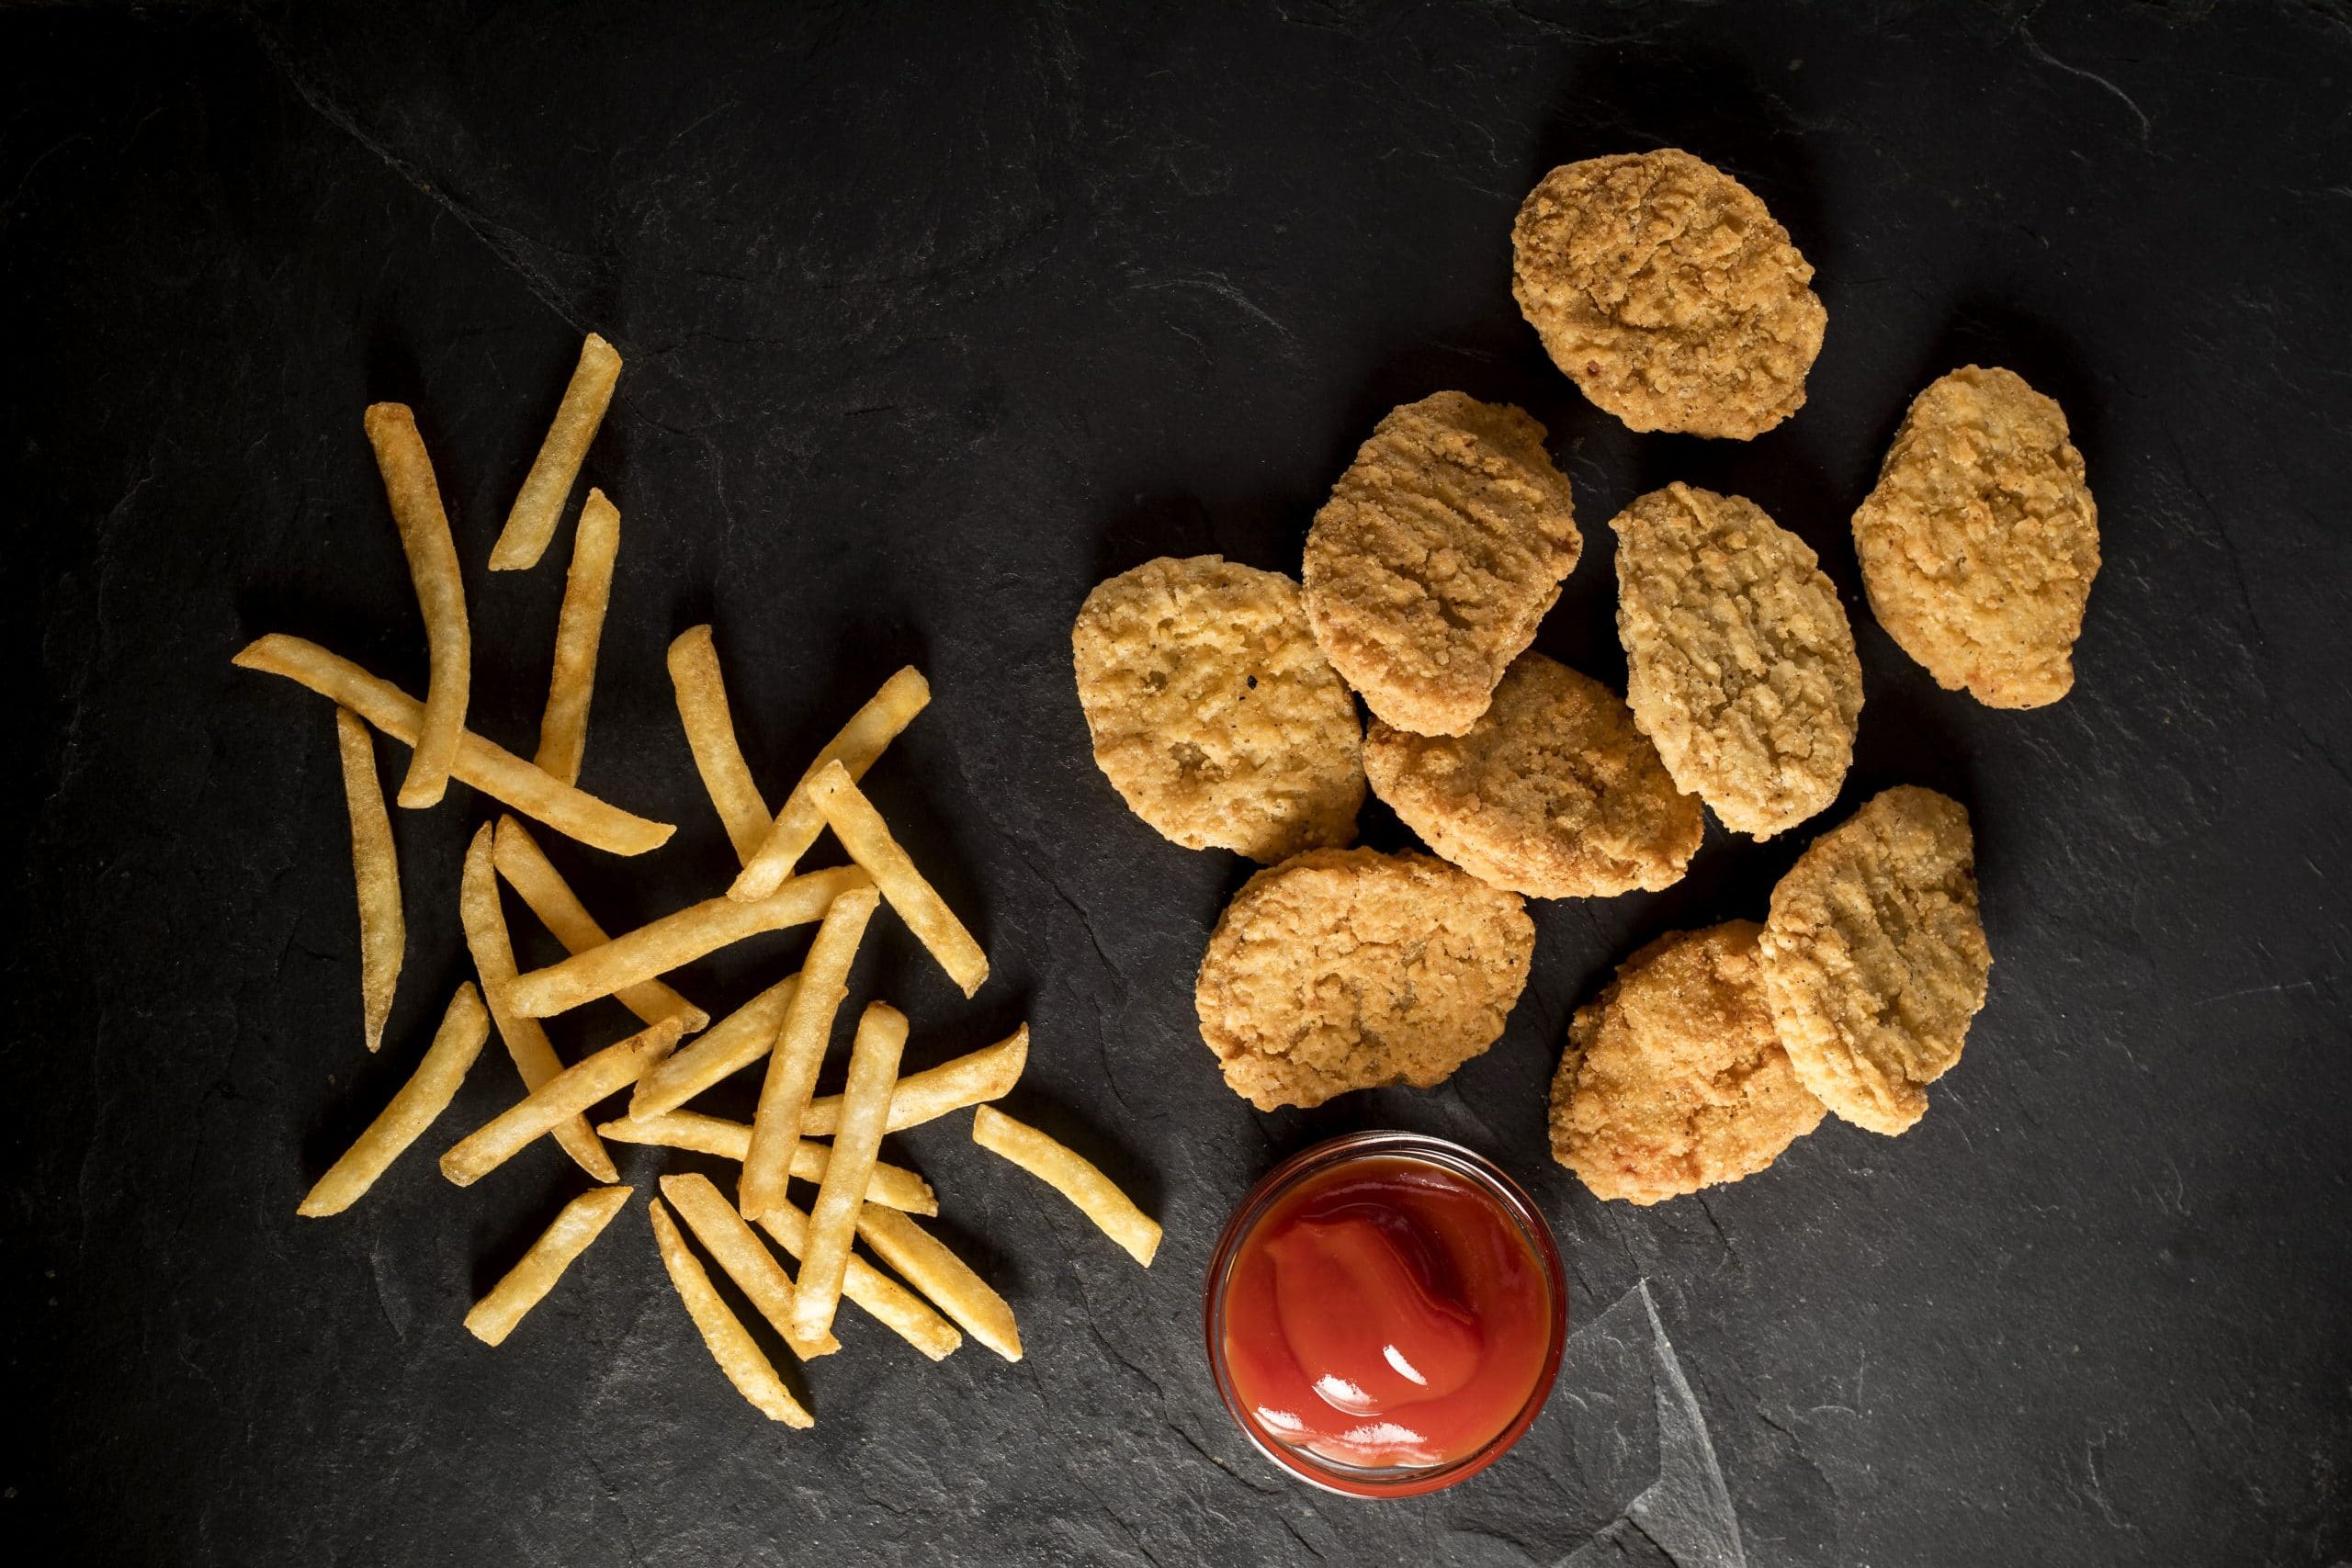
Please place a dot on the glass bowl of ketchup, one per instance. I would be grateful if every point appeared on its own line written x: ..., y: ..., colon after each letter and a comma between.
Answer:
x: 1386, y: 1314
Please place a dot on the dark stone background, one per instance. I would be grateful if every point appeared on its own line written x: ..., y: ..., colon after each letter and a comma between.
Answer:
x: 933, y: 317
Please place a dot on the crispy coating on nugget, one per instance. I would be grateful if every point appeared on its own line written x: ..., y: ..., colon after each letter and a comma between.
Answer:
x: 1980, y: 542
x: 1740, y: 665
x: 1665, y: 291
x: 1346, y: 969
x: 1214, y: 713
x: 1874, y: 957
x: 1553, y: 793
x: 1674, y: 1078
x: 1441, y: 548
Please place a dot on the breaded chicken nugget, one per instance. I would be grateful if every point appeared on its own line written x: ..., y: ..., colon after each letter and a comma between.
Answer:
x: 1740, y: 663
x: 1674, y: 1078
x: 1665, y: 291
x: 1553, y: 793
x: 1979, y: 544
x: 1439, y: 551
x: 1214, y: 713
x: 1874, y: 957
x: 1344, y: 969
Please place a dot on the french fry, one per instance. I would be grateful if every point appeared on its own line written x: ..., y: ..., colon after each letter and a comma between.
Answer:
x: 579, y: 630
x: 867, y: 839
x: 440, y: 594
x: 899, y: 1308
x: 527, y: 1284
x: 857, y: 747
x: 800, y: 1050
x: 492, y: 770
x: 540, y: 505
x: 710, y: 734
x: 832, y: 1219
x: 730, y: 1343
x: 1076, y: 1178
x: 676, y: 938
x: 528, y: 871
x: 925, y: 1262
x: 744, y: 1257
x: 557, y: 1101
x: 892, y: 1186
x: 375, y: 871
x: 986, y: 1074
x: 485, y: 925
x: 740, y: 1038
x: 426, y: 1094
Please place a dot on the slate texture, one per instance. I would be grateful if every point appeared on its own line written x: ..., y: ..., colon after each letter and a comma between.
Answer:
x: 936, y: 316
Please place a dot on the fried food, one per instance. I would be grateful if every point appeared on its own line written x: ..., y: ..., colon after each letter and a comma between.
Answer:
x: 1346, y: 969
x: 744, y: 1258
x: 579, y: 632
x: 898, y: 1308
x: 1552, y: 793
x: 539, y: 506
x: 868, y: 839
x: 723, y: 1334
x: 892, y: 1186
x: 930, y: 1265
x: 559, y: 1101
x: 1980, y: 542
x: 1740, y: 665
x: 858, y: 745
x: 799, y: 1050
x: 986, y: 1074
x: 1874, y: 957
x: 528, y: 871
x: 1073, y: 1176
x: 1667, y: 292
x: 736, y: 1042
x: 375, y: 872
x: 426, y: 1094
x: 832, y: 1219
x: 527, y: 1284
x: 416, y: 500
x: 1674, y: 1078
x: 1214, y: 713
x: 710, y: 734
x: 1439, y: 552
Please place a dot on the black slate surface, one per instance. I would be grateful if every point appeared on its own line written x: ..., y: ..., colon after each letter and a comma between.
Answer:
x: 933, y: 317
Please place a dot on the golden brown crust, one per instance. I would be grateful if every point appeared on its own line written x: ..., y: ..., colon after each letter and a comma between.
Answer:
x: 1553, y: 793
x: 1740, y: 665
x: 1874, y: 957
x: 1666, y: 291
x: 1214, y: 713
x: 1439, y: 552
x: 1979, y: 544
x: 1347, y: 969
x: 1674, y: 1078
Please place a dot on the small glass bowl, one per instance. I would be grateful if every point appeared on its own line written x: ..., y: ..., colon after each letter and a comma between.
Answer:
x: 1399, y: 1481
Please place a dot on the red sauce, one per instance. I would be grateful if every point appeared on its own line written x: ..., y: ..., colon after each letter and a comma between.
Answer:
x: 1387, y: 1312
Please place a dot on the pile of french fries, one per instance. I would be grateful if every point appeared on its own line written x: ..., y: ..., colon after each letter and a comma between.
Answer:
x: 829, y: 1142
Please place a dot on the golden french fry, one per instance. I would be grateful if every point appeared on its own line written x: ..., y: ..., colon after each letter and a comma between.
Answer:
x: 582, y: 1220
x: 440, y: 594
x: 1076, y: 1178
x: 925, y: 1262
x: 485, y: 925
x: 867, y: 839
x: 800, y: 1050
x: 710, y: 734
x: 899, y: 1308
x: 986, y: 1074
x: 681, y: 938
x: 832, y: 1219
x: 744, y: 1257
x: 375, y: 871
x: 857, y: 747
x: 528, y: 871
x: 892, y: 1186
x: 558, y: 1100
x: 579, y: 630
x: 426, y: 1094
x: 539, y: 504
x: 731, y: 1344
x: 492, y: 770
x: 741, y: 1038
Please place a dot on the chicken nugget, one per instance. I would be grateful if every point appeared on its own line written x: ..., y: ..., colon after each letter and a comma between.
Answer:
x: 1979, y: 544
x: 1874, y: 957
x: 1345, y: 969
x: 1553, y: 793
x: 1740, y: 664
x: 1667, y: 293
x: 1674, y: 1077
x: 1439, y: 552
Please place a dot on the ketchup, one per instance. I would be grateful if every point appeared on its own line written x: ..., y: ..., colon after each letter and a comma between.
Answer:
x: 1385, y: 1313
